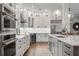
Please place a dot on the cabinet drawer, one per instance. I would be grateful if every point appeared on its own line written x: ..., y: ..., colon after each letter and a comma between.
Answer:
x: 68, y: 47
x: 19, y: 47
x: 18, y: 52
x: 19, y: 42
x: 67, y: 53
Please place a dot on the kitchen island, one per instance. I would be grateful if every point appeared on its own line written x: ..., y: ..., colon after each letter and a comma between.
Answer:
x: 64, y: 45
x: 22, y: 44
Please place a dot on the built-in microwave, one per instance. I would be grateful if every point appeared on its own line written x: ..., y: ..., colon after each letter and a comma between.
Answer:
x: 7, y: 23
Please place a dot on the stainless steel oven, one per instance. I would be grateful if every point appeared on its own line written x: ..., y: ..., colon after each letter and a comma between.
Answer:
x: 8, y: 23
x: 8, y: 49
x: 7, y: 45
x: 8, y: 37
x: 7, y: 18
x: 7, y: 30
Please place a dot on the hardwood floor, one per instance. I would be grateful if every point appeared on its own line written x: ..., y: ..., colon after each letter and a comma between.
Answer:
x: 38, y: 49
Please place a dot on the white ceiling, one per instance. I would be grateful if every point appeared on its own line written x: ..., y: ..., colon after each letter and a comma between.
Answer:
x: 52, y: 6
x: 48, y: 6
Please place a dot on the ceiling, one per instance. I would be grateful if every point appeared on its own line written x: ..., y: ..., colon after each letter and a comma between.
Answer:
x: 48, y: 6
x: 52, y: 6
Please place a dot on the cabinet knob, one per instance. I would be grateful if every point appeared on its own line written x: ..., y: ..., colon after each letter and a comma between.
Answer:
x: 19, y: 47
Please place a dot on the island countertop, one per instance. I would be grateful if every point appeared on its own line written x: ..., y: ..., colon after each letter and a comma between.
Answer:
x: 70, y: 39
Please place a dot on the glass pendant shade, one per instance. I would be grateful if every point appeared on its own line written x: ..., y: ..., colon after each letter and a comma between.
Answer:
x: 70, y: 14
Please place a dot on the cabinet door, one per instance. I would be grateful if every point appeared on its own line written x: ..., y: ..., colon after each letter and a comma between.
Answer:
x: 54, y: 46
x: 59, y: 48
x: 49, y: 42
x: 51, y: 45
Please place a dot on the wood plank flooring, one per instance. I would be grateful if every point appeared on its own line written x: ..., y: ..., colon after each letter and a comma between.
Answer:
x: 38, y: 49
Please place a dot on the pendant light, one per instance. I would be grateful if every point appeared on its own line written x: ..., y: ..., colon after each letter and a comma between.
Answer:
x: 70, y: 15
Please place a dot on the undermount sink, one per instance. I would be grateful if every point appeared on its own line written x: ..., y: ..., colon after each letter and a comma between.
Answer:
x: 61, y: 36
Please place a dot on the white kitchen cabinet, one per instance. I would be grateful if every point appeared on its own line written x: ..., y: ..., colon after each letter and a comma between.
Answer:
x: 53, y: 46
x: 58, y: 48
x: 62, y: 47
x: 22, y: 44
x: 42, y: 37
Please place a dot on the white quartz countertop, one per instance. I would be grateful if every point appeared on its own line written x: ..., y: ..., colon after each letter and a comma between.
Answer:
x: 20, y: 36
x: 70, y: 39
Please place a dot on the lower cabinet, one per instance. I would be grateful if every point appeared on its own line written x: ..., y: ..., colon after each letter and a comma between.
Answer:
x: 53, y: 46
x: 69, y: 50
x: 60, y: 48
x: 22, y: 45
x: 42, y: 37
